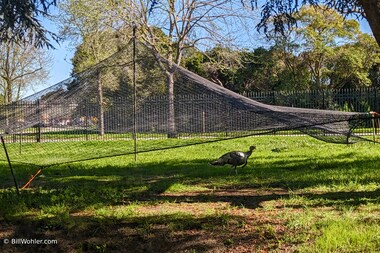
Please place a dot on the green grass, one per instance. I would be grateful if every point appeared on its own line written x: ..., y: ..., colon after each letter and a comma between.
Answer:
x: 295, y: 194
x: 354, y: 235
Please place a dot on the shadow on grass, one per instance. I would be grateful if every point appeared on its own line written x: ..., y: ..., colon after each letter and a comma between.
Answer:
x: 81, y: 185
x: 63, y: 191
x: 157, y: 233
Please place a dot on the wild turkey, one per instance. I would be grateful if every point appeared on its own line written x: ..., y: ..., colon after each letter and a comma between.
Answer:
x: 234, y: 158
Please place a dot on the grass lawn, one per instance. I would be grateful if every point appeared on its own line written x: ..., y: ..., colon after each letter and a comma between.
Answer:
x: 296, y: 194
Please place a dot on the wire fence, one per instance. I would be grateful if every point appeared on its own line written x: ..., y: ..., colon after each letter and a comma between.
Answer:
x: 199, y: 115
x: 354, y: 100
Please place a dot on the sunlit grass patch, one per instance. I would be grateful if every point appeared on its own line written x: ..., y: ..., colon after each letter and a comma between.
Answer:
x: 116, y: 212
x: 178, y: 187
x: 56, y: 209
x: 346, y: 235
x: 343, y: 229
x: 89, y: 178
x: 344, y: 186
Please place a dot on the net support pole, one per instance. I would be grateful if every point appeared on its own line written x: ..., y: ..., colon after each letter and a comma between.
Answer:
x: 10, y: 164
x: 38, y: 136
x: 374, y: 117
x: 134, y: 94
x: 374, y: 127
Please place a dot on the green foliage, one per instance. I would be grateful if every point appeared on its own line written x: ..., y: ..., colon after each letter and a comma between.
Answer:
x: 20, y: 23
x: 325, y: 51
x: 89, y: 22
x: 321, y: 31
x: 238, y: 70
x: 193, y: 60
x: 259, y: 70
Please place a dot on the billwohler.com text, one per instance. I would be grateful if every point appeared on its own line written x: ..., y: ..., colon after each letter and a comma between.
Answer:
x: 28, y: 241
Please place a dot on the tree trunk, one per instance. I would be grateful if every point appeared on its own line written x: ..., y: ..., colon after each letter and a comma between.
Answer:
x: 9, y: 96
x: 372, y: 13
x: 101, y: 105
x: 172, y: 132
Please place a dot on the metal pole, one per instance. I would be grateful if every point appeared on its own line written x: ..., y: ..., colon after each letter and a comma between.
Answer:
x: 39, y: 121
x: 20, y: 146
x: 86, y: 118
x: 134, y: 93
x: 203, y: 121
x: 10, y: 165
x: 374, y: 117
x: 374, y: 129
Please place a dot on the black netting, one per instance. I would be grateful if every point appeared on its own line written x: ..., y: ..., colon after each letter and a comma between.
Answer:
x: 102, y: 112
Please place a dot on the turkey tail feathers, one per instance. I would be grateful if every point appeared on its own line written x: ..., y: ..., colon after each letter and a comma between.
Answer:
x: 217, y: 163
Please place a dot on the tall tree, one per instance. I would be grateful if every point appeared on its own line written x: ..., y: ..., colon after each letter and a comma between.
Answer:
x: 185, y: 23
x: 281, y: 13
x: 321, y: 31
x: 371, y: 11
x: 291, y: 68
x: 87, y: 24
x: 354, y: 63
x: 21, y: 66
x: 19, y: 22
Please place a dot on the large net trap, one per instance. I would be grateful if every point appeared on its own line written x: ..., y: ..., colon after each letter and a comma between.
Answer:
x: 135, y: 101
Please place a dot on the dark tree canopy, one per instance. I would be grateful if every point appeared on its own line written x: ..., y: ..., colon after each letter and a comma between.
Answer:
x: 280, y: 13
x: 19, y: 22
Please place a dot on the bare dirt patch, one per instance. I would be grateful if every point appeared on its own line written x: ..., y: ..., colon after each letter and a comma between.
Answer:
x: 218, y: 221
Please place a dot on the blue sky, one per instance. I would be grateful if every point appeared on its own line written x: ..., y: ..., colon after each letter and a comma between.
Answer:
x: 63, y: 53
